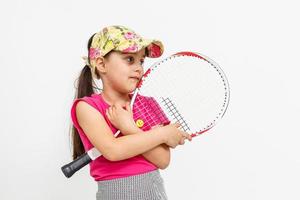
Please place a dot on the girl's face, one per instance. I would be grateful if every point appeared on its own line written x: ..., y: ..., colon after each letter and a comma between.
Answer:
x: 124, y: 70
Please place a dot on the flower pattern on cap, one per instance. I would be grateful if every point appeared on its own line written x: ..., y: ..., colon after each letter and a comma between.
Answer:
x: 123, y: 39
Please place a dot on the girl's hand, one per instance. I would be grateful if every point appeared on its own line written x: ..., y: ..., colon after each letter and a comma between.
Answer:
x: 122, y: 118
x: 185, y: 136
x: 174, y: 136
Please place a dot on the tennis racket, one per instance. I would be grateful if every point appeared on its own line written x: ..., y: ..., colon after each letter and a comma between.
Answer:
x: 187, y: 87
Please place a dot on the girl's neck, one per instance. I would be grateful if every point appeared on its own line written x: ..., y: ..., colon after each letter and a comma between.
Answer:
x: 112, y: 97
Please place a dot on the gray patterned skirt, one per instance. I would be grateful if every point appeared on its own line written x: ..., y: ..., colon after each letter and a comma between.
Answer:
x: 147, y: 186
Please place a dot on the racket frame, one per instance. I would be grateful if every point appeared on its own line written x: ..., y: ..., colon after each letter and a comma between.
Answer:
x: 92, y: 154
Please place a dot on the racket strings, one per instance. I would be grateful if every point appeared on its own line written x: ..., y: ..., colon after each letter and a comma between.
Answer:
x: 189, y: 90
x: 175, y: 113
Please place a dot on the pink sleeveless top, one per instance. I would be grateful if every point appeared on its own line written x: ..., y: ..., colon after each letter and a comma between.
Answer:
x: 101, y: 168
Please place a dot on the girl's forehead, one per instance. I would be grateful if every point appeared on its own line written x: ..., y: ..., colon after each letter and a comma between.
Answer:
x: 120, y: 55
x: 141, y: 53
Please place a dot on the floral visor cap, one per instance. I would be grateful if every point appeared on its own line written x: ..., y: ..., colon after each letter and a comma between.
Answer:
x: 121, y: 39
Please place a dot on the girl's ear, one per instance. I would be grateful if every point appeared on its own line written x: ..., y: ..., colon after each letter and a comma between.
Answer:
x: 100, y: 65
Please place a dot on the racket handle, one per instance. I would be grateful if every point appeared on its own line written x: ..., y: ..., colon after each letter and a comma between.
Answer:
x: 81, y: 161
x: 77, y: 164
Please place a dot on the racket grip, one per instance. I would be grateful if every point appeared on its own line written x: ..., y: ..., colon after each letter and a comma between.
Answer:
x: 72, y: 167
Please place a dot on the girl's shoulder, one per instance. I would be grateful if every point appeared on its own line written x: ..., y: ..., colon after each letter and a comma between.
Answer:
x: 95, y: 100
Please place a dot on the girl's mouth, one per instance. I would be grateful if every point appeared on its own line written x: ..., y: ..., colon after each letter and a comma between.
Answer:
x: 135, y: 78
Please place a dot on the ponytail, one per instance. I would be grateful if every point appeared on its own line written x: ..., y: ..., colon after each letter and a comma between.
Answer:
x: 84, y: 88
x: 85, y: 83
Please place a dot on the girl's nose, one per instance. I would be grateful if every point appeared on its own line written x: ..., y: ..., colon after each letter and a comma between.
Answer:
x: 139, y: 68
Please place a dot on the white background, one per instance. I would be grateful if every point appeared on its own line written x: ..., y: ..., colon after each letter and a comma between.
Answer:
x: 253, y: 153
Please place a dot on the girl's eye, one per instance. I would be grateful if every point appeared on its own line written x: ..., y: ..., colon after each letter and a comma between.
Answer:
x: 130, y: 59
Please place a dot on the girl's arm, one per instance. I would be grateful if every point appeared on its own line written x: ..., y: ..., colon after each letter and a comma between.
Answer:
x: 122, y: 118
x: 114, y: 149
x: 159, y: 156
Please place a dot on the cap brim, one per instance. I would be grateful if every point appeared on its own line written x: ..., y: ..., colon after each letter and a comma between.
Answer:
x: 154, y: 48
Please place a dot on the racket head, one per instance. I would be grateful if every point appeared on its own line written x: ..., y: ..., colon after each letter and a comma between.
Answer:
x: 186, y: 87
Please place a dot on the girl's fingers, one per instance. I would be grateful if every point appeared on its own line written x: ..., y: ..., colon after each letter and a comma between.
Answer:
x: 181, y: 141
x: 118, y: 107
x: 128, y: 106
x: 186, y: 136
x: 177, y: 125
x: 108, y: 113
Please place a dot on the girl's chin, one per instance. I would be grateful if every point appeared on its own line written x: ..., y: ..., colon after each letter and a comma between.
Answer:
x: 132, y: 87
x: 131, y: 90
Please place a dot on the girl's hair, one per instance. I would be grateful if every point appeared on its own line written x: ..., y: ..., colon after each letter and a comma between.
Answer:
x: 84, y: 88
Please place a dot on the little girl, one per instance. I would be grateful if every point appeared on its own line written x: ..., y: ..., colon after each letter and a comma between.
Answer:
x: 130, y: 163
